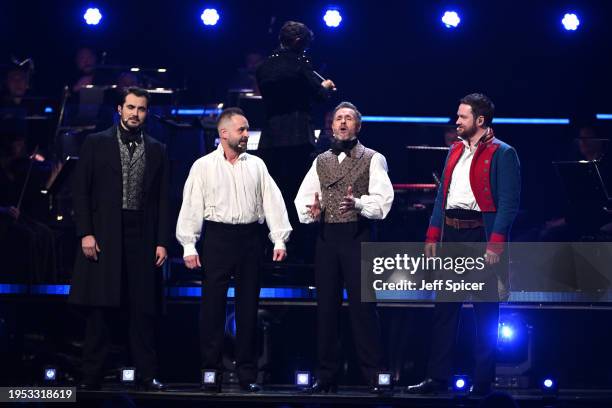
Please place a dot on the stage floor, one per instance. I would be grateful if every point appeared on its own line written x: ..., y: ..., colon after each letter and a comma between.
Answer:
x: 187, y: 395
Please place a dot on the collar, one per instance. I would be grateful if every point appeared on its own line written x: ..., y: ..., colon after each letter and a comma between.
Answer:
x: 343, y: 146
x: 221, y: 153
x: 127, y: 136
x: 487, y: 137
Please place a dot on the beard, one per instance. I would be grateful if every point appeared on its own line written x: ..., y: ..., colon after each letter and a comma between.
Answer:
x: 132, y: 128
x: 467, y: 132
x: 237, y: 146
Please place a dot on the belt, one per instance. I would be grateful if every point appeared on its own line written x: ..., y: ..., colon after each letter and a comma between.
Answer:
x: 463, y: 224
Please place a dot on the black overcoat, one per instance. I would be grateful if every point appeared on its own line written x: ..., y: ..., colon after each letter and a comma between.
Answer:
x: 97, y: 202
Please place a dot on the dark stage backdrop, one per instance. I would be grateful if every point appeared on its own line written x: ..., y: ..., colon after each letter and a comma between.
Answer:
x: 389, y: 57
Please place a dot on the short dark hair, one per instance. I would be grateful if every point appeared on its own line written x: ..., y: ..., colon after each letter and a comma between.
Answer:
x: 348, y: 105
x: 481, y: 105
x: 142, y: 93
x: 227, y: 113
x: 295, y: 35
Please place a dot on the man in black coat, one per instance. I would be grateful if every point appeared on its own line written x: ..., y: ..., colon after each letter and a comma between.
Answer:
x: 289, y: 88
x: 120, y: 191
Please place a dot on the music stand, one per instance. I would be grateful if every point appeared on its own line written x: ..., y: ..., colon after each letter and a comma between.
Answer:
x: 66, y: 168
x: 422, y: 162
x: 583, y: 182
x: 586, y: 193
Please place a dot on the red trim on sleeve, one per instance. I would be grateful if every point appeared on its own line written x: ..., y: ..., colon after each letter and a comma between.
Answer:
x: 496, y: 243
x: 433, y: 234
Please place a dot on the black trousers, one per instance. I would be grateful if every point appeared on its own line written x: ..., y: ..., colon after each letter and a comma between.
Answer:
x: 141, y: 325
x: 287, y: 166
x: 446, y: 317
x: 231, y: 250
x: 337, y: 263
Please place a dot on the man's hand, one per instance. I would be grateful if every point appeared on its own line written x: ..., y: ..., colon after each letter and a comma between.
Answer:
x: 491, y: 257
x: 430, y: 249
x: 192, y: 261
x: 279, y: 255
x: 328, y: 84
x: 315, y: 208
x: 348, y: 202
x: 160, y: 256
x: 90, y: 247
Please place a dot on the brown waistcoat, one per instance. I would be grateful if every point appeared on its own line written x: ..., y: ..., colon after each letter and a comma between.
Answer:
x: 335, y: 178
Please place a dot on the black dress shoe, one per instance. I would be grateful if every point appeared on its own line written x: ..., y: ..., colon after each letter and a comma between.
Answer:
x: 480, y: 389
x: 375, y: 389
x: 152, y: 385
x: 250, y: 387
x: 323, y: 387
x: 427, y: 386
x: 89, y: 386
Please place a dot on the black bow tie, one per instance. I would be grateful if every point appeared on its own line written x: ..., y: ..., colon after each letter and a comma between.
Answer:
x: 343, y: 146
x: 128, y: 137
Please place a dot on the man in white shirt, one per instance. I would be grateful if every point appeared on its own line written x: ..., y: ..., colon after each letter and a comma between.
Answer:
x: 232, y: 193
x: 345, y: 187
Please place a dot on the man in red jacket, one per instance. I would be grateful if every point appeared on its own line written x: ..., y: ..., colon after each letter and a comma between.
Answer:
x: 477, y: 201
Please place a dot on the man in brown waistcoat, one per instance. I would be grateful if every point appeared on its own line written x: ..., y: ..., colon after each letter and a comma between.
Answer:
x: 345, y: 187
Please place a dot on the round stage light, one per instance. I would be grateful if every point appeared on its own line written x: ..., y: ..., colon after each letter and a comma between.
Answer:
x: 332, y: 18
x: 570, y: 22
x: 92, y: 16
x: 548, y: 383
x: 506, y: 332
x: 460, y: 383
x: 451, y: 19
x: 210, y: 17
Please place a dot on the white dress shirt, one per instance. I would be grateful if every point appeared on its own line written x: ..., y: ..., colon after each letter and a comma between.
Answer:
x: 239, y: 193
x: 460, y: 194
x: 375, y: 205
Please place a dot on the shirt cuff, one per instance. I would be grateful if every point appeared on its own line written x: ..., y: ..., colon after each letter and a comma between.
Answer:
x: 358, y: 204
x: 189, y: 250
x: 280, y: 245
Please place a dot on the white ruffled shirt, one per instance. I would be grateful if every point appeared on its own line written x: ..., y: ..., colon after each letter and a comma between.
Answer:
x: 239, y: 193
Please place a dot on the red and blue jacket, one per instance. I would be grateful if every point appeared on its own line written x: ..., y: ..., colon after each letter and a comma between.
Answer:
x: 495, y: 178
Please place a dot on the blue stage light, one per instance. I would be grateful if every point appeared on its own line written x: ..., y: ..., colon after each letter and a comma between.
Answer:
x: 570, y: 22
x: 211, y: 380
x: 92, y: 16
x: 461, y: 384
x: 332, y: 18
x: 451, y: 19
x: 506, y: 332
x: 303, y: 379
x: 50, y: 374
x: 210, y: 17
x: 549, y: 388
x: 128, y: 375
